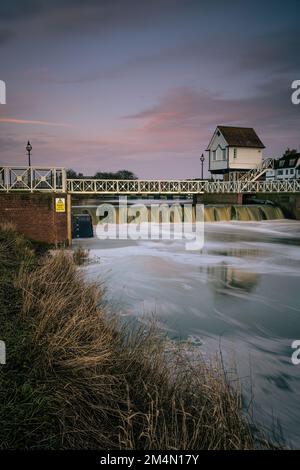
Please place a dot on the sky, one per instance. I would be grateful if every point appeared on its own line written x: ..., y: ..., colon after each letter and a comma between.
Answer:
x: 104, y: 85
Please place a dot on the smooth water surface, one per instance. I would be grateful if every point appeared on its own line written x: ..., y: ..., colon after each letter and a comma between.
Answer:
x: 240, y: 294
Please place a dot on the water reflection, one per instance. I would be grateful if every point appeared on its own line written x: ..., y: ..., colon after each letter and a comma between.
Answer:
x: 224, y: 277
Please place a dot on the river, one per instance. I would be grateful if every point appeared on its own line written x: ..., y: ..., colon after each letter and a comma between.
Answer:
x: 239, y: 294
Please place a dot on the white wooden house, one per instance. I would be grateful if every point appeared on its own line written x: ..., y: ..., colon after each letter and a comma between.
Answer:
x: 234, y: 149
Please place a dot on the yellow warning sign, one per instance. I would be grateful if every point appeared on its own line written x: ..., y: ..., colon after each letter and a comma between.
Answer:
x: 60, y: 204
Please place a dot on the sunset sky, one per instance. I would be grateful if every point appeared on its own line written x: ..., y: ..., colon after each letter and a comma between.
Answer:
x: 141, y: 85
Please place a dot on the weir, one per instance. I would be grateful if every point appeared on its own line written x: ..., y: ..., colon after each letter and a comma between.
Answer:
x: 212, y: 213
x: 243, y: 213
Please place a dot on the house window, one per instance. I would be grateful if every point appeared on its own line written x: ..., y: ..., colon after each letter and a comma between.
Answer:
x: 214, y: 155
x: 292, y: 171
x: 234, y: 153
x: 224, y: 154
x: 280, y: 172
x: 281, y: 163
x: 292, y: 162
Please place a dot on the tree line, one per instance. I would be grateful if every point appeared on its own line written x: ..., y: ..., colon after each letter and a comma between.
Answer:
x: 104, y: 175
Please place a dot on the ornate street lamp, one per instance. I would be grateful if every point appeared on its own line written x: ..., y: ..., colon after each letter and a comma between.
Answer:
x: 29, y: 148
x: 202, y: 159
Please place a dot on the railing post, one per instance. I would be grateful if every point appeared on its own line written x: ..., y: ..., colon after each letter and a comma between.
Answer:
x: 6, y: 178
x: 64, y: 179
x: 31, y: 179
x: 54, y: 173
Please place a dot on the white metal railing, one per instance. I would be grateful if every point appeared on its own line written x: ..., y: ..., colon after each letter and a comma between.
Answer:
x: 91, y: 186
x: 134, y: 186
x: 258, y: 171
x: 270, y: 186
x: 50, y: 179
x: 33, y: 179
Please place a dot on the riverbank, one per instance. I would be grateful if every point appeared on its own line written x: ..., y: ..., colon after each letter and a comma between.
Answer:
x: 75, y: 378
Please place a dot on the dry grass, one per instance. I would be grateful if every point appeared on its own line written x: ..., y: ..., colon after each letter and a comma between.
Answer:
x: 98, y: 385
x: 80, y: 255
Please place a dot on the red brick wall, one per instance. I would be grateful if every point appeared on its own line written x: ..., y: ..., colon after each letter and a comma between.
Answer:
x: 219, y: 198
x: 34, y: 215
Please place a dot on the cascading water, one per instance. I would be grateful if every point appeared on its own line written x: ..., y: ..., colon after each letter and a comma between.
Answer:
x: 272, y: 212
x: 209, y: 214
x: 244, y: 213
x: 223, y: 213
x: 212, y: 213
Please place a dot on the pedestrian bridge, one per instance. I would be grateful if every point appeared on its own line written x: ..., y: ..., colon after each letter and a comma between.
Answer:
x: 54, y: 179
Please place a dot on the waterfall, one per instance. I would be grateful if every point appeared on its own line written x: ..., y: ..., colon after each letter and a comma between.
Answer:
x: 244, y: 213
x: 272, y: 212
x: 223, y: 213
x: 209, y: 214
x: 212, y: 213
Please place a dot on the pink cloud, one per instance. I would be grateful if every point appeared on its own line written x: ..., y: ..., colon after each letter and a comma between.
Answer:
x: 34, y: 122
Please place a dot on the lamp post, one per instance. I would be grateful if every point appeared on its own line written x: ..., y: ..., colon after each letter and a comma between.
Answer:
x: 202, y: 158
x: 29, y: 148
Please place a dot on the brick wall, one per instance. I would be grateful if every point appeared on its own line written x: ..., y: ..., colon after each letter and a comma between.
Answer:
x: 34, y: 215
x: 219, y: 198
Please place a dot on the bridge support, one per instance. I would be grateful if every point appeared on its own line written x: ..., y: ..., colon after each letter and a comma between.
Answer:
x: 39, y: 216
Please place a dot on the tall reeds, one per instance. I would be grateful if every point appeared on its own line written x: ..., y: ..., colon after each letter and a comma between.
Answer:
x: 76, y: 378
